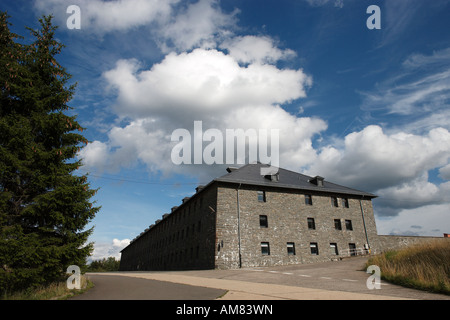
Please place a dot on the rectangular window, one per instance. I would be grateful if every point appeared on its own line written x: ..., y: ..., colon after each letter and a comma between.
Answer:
x: 348, y: 225
x: 345, y: 203
x: 308, y: 199
x: 265, y: 249
x: 311, y: 224
x: 314, y: 248
x: 337, y: 224
x: 263, y: 221
x: 291, y: 249
x: 334, y: 249
x: 261, y: 196
x: 334, y: 202
x: 352, y: 249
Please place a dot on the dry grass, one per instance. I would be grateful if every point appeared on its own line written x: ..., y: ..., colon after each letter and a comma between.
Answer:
x: 425, y: 266
x: 54, y: 291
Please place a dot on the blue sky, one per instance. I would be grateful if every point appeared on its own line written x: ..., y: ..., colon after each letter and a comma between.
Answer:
x: 364, y: 108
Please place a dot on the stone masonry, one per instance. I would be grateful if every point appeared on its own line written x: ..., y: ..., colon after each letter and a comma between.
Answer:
x: 239, y: 233
x: 244, y: 219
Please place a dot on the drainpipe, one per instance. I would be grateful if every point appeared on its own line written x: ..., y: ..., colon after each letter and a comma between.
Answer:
x: 239, y: 226
x: 364, y: 222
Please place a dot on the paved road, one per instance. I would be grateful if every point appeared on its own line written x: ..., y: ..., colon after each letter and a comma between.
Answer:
x: 330, y: 280
x: 115, y: 287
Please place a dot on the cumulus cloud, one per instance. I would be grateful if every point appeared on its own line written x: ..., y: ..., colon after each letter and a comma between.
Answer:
x: 206, y: 81
x: 444, y: 172
x: 174, y: 25
x: 100, y: 17
x: 199, y: 25
x: 400, y: 157
x: 206, y: 85
x: 393, y: 166
x: 230, y: 82
x: 108, y: 249
x: 261, y: 49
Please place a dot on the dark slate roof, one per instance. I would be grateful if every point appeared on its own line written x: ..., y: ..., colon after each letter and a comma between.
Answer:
x: 250, y: 174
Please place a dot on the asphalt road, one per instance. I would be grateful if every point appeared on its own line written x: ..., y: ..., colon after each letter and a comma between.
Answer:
x: 108, y: 287
x: 328, y: 280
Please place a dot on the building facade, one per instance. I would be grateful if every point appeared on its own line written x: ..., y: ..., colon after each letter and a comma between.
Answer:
x: 244, y: 219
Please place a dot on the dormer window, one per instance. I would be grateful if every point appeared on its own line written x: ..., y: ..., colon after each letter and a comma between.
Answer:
x: 272, y: 177
x: 317, y: 180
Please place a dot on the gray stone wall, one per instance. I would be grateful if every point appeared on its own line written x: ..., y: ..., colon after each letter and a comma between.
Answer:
x: 388, y: 242
x: 220, y: 227
x: 183, y: 239
x: 287, y: 222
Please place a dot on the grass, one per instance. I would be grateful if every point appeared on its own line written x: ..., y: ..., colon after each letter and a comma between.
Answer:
x: 424, y: 267
x: 54, y: 291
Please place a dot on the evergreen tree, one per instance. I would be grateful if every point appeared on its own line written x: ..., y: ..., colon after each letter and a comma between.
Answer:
x: 44, y: 205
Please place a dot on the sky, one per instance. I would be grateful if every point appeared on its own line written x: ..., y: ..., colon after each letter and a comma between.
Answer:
x: 366, y: 108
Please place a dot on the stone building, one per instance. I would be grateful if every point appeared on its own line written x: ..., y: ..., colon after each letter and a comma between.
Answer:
x: 244, y: 219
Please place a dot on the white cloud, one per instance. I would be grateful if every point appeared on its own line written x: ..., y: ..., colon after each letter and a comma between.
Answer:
x: 419, y: 60
x: 420, y: 92
x: 243, y: 88
x: 200, y: 25
x: 260, y: 49
x: 94, y: 154
x: 373, y: 160
x: 444, y: 172
x: 174, y: 25
x: 430, y: 220
x: 108, y: 249
x: 203, y: 82
x: 429, y: 93
x: 393, y: 166
x: 319, y: 3
x: 206, y: 85
x: 416, y: 193
x: 99, y: 16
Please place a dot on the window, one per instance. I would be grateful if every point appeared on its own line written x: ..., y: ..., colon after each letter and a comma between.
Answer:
x: 337, y: 224
x: 261, y: 196
x: 265, y: 249
x: 308, y: 199
x: 311, y: 224
x: 345, y: 203
x: 334, y: 202
x: 291, y: 249
x: 263, y: 221
x: 348, y: 225
x: 352, y: 248
x: 314, y: 248
x: 334, y: 249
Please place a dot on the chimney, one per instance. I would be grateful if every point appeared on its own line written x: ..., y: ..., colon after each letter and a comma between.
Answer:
x: 199, y: 188
x: 231, y: 169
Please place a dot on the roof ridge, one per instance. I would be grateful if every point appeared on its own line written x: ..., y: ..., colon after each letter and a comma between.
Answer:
x: 288, y: 179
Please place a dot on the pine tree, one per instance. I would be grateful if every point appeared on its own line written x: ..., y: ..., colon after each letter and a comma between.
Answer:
x: 44, y: 205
